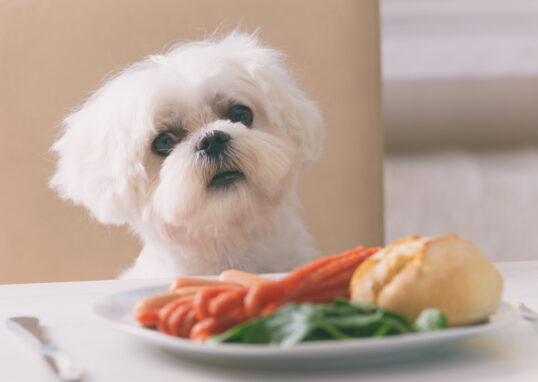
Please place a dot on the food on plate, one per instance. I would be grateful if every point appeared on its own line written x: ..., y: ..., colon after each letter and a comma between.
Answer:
x: 294, y: 323
x: 147, y: 310
x: 245, y: 279
x: 429, y: 282
x: 218, y: 307
x: 184, y: 283
x: 319, y: 281
x: 414, y: 273
x: 184, y: 289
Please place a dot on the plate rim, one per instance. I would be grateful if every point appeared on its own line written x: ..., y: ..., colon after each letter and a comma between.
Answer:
x: 228, y: 350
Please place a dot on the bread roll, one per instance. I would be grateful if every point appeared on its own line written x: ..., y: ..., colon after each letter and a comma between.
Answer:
x: 415, y: 273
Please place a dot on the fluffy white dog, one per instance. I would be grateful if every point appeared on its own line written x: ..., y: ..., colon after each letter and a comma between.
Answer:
x: 199, y: 151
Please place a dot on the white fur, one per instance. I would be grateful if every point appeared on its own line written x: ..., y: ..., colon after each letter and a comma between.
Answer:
x: 106, y: 163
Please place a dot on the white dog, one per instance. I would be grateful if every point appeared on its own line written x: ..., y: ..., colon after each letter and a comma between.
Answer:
x: 199, y: 151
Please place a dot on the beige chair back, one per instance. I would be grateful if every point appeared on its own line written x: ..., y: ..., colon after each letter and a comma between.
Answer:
x: 55, y: 53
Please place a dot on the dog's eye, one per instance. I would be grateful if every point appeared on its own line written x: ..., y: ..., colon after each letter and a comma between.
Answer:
x: 240, y: 113
x: 164, y: 143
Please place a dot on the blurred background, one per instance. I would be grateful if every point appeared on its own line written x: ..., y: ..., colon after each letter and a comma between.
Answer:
x: 460, y: 86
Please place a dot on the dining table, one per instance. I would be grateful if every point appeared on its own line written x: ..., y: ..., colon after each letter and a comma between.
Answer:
x: 106, y: 354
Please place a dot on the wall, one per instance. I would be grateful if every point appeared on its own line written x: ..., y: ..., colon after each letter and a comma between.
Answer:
x: 460, y: 88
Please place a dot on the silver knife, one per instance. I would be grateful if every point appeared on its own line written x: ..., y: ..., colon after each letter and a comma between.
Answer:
x: 28, y: 329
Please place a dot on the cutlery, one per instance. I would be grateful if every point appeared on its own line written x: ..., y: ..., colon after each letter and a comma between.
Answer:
x: 28, y: 328
x: 526, y: 312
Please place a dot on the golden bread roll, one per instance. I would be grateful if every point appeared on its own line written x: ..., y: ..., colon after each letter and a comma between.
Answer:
x: 415, y: 273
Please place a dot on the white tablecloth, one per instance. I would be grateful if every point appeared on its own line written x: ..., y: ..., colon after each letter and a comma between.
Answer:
x: 107, y: 355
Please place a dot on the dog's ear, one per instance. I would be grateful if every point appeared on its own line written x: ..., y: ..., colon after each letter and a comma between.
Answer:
x: 99, y: 154
x: 302, y: 119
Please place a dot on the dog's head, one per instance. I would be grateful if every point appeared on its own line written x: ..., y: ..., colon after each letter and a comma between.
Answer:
x: 198, y: 142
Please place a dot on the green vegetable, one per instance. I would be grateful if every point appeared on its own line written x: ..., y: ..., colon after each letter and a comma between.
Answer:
x: 294, y: 323
x: 430, y: 319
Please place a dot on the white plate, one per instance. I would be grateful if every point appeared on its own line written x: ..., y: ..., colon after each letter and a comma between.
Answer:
x: 116, y: 310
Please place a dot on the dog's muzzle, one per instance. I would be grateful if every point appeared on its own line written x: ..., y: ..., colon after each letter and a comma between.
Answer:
x: 213, y: 146
x: 213, y: 143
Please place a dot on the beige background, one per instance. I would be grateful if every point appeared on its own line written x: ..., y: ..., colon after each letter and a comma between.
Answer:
x: 55, y: 53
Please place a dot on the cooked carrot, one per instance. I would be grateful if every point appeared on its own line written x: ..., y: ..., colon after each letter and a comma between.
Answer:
x: 226, y: 301
x: 343, y: 277
x: 331, y: 275
x: 262, y: 294
x: 243, y: 278
x: 166, y: 311
x: 298, y: 282
x: 230, y: 319
x: 213, y: 325
x: 202, y: 329
x: 183, y: 282
x: 338, y: 271
x: 147, y: 318
x: 156, y: 302
x: 203, y: 298
x: 188, y: 322
x: 192, y: 290
x: 301, y: 273
x: 208, y: 307
x: 147, y: 310
x: 326, y: 293
x: 270, y: 308
x: 175, y: 320
x: 336, y: 267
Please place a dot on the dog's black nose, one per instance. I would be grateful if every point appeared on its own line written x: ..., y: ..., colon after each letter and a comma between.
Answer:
x: 213, y: 143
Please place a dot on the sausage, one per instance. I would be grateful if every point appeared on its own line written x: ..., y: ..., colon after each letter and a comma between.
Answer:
x: 147, y: 310
x: 184, y: 282
x: 242, y: 278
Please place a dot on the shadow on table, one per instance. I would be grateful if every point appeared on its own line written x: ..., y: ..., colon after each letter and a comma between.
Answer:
x: 458, y: 354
